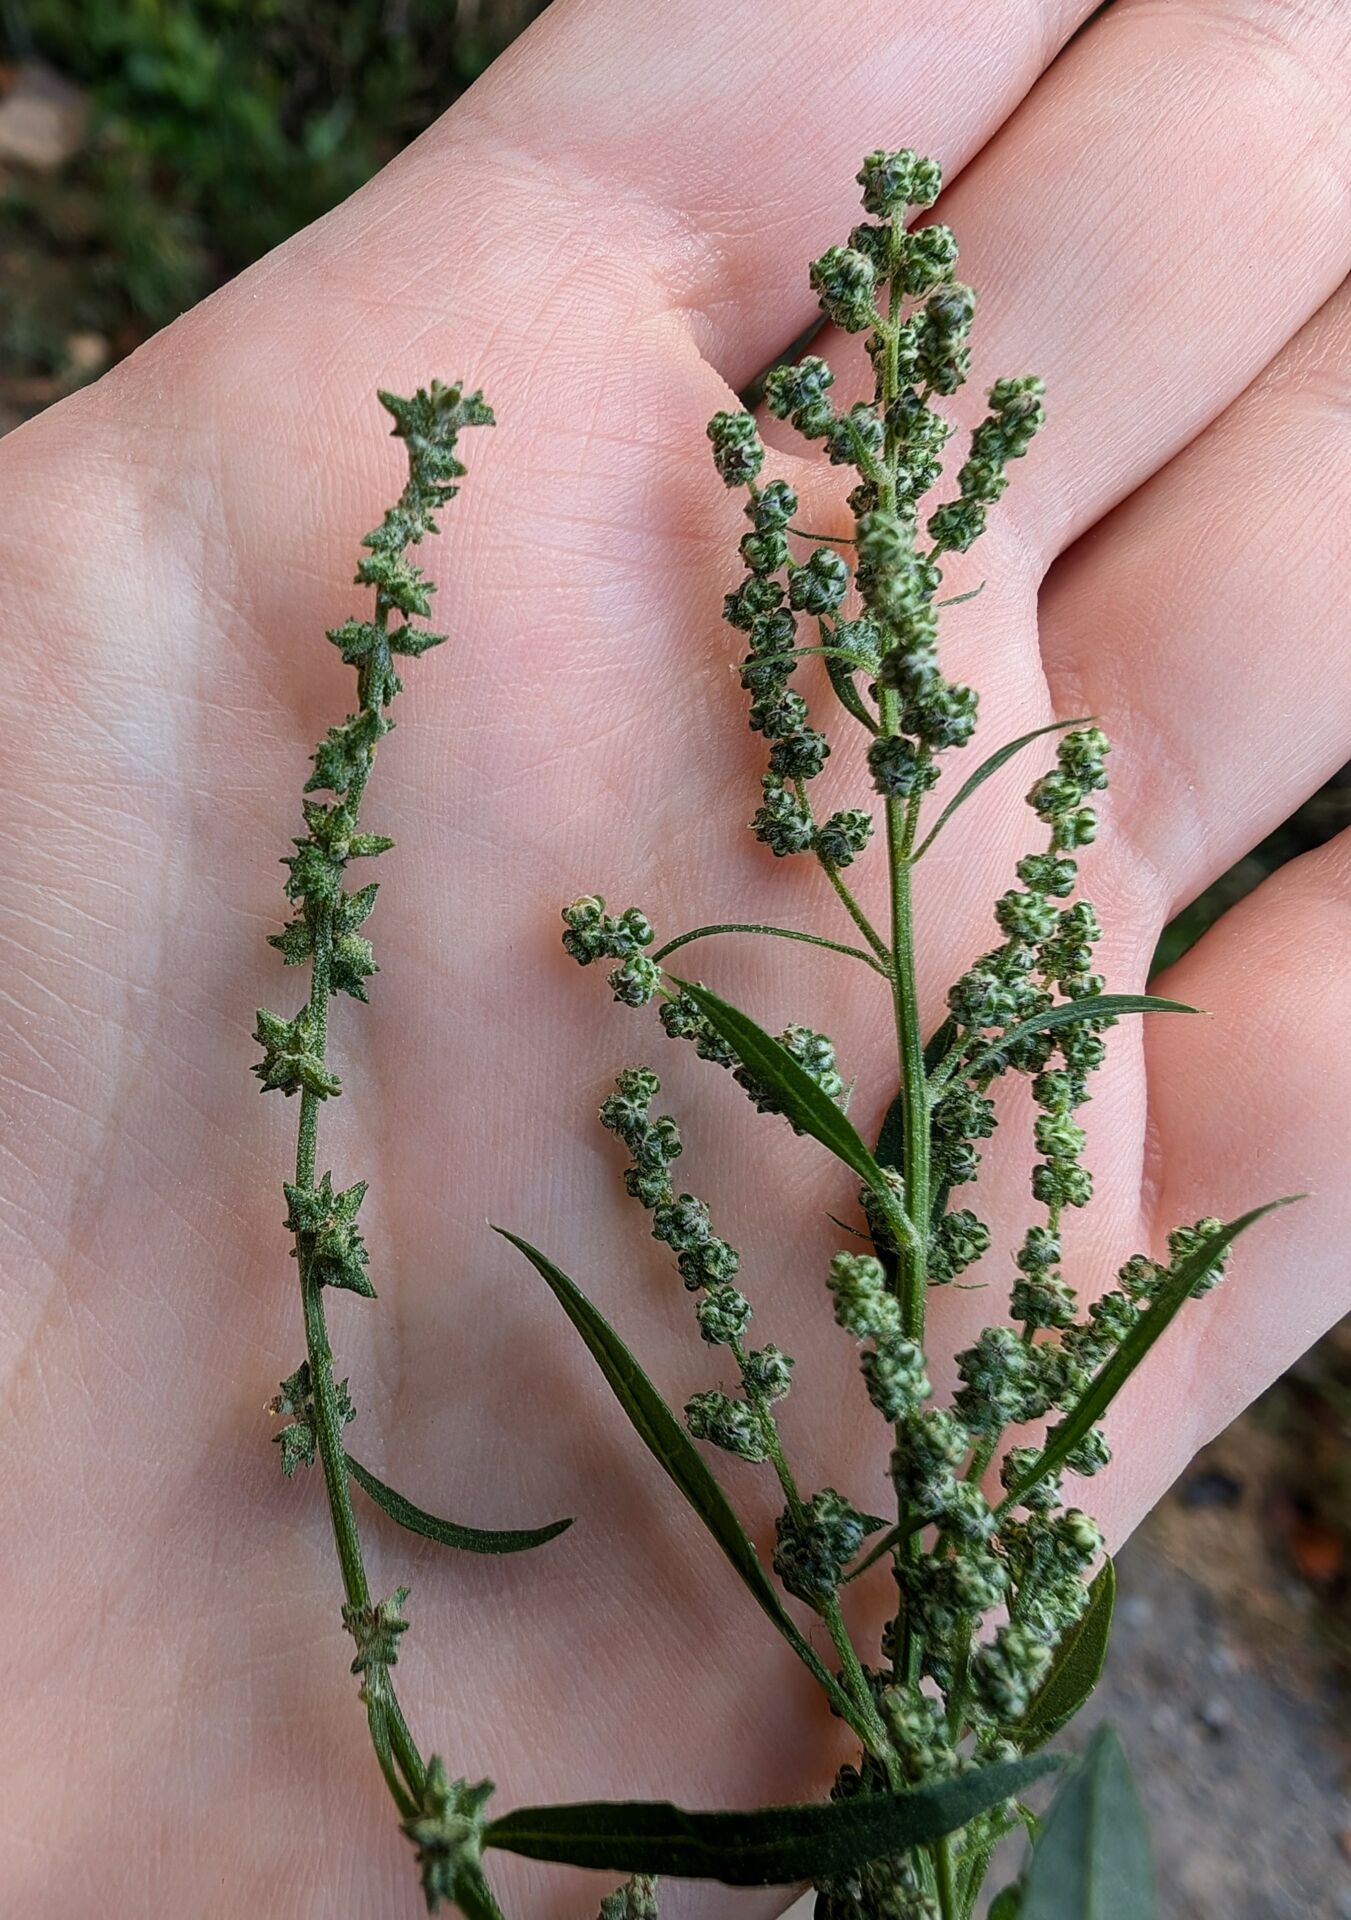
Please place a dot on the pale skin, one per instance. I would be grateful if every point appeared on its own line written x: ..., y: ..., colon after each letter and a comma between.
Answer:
x: 610, y: 236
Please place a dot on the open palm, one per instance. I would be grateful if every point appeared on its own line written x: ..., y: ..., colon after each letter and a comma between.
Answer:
x: 609, y: 236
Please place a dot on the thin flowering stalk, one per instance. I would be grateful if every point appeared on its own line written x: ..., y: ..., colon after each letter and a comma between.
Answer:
x: 442, y: 1818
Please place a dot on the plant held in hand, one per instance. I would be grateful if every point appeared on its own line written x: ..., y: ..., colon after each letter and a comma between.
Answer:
x: 1000, y: 1620
x: 1003, y: 1599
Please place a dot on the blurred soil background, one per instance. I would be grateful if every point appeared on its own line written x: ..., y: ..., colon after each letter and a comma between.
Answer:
x: 149, y: 149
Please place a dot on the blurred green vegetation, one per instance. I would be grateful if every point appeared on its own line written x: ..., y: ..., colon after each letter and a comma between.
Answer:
x: 217, y: 128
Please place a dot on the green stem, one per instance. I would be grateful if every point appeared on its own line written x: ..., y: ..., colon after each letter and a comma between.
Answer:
x: 947, y: 1891
x: 893, y: 1537
x: 857, y: 915
x: 901, y: 826
x: 389, y: 1731
x: 851, y: 906
x: 868, y: 1725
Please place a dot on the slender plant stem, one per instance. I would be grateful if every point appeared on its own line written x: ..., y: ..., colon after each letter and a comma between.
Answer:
x: 901, y: 824
x: 869, y: 1725
x: 389, y: 1731
x: 859, y: 918
x: 892, y: 1538
x: 947, y: 1891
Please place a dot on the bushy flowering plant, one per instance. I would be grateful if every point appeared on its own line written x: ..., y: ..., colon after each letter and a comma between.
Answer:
x: 1002, y: 1593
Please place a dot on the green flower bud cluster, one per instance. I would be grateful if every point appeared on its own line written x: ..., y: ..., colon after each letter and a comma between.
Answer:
x: 592, y: 934
x: 1006, y: 433
x: 635, y: 1901
x: 845, y: 281
x: 707, y: 1265
x: 931, y: 1445
x: 376, y: 1630
x: 888, y: 1888
x: 816, y: 1543
x: 315, y: 883
x: 682, y: 1222
x: 893, y: 183
x: 895, y: 1377
x: 960, y: 1118
x: 917, y: 1728
x: 1006, y: 1672
x: 1059, y: 797
x: 727, y: 1423
x: 956, y: 1242
x: 895, y: 443
x: 865, y: 1306
x: 683, y: 1021
x: 327, y: 1241
x: 298, y: 1439
x: 1004, y: 1382
x: 1115, y: 1314
x: 446, y: 1829
x: 1047, y: 1556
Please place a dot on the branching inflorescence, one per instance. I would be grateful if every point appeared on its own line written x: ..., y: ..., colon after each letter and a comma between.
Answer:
x: 949, y: 1691
x: 1000, y: 1619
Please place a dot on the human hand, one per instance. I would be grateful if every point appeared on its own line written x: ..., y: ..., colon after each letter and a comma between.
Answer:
x: 610, y: 235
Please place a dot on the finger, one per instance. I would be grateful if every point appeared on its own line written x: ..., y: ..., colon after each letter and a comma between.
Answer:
x: 1165, y: 210
x: 1205, y: 623
x: 1245, y: 1107
x: 682, y: 130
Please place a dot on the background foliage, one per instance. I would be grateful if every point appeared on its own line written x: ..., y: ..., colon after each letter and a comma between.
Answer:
x: 217, y: 128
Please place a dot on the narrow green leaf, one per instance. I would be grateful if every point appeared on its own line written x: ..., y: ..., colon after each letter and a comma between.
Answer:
x: 1113, y: 1375
x: 841, y: 677
x: 891, y: 1140
x: 985, y: 769
x: 1075, y: 1667
x: 446, y: 1532
x: 766, y: 1847
x: 798, y: 1094
x: 1068, y: 1011
x: 1091, y: 1860
x: 779, y: 933
x: 474, y: 1897
x: 676, y: 1454
x: 972, y: 593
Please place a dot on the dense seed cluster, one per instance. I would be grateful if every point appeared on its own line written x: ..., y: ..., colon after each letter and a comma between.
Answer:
x: 955, y: 1689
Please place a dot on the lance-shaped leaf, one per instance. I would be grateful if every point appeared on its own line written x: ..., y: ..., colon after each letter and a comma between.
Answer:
x: 982, y: 773
x: 446, y: 1532
x: 1067, y: 1013
x: 764, y: 1847
x: 809, y: 1109
x: 1105, y: 1385
x: 1076, y: 1667
x: 1091, y: 1860
x: 891, y: 1140
x: 675, y: 1452
x: 841, y: 676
